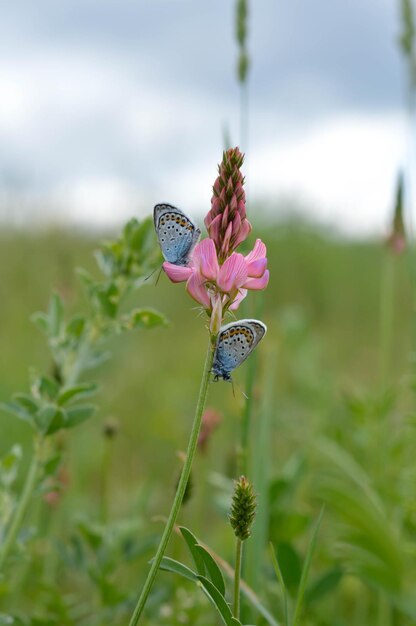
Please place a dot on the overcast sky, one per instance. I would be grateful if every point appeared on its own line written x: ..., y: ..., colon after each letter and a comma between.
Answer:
x: 107, y: 107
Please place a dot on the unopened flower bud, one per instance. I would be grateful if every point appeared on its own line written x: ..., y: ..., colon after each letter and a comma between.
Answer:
x: 210, y: 420
x: 110, y: 428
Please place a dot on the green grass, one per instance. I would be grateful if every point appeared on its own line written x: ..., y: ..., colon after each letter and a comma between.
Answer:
x: 323, y: 312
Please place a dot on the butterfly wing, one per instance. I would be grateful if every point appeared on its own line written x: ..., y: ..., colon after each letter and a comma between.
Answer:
x: 235, y: 343
x: 176, y: 233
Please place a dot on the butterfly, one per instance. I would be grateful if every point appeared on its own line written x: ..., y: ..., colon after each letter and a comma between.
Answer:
x: 236, y: 341
x: 176, y: 232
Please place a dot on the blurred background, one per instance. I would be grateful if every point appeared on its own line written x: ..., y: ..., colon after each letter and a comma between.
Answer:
x: 107, y: 108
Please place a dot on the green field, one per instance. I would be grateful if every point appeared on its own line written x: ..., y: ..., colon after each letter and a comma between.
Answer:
x: 333, y: 422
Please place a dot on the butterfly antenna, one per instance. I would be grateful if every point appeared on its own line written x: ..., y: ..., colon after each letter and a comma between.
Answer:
x: 240, y: 390
x: 158, y: 276
x: 151, y: 274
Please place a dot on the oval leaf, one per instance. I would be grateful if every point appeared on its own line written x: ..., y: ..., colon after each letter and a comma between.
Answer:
x: 213, y: 570
x: 192, y: 542
x: 175, y: 567
x: 217, y: 600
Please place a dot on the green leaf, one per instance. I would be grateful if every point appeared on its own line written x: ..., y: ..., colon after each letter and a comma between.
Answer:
x: 15, y: 409
x: 55, y: 315
x: 41, y: 320
x: 49, y: 419
x: 213, y: 570
x: 86, y: 278
x: 70, y: 393
x: 51, y: 465
x: 75, y: 326
x: 281, y: 583
x: 306, y: 568
x: 141, y: 238
x: 107, y: 262
x: 290, y: 564
x: 218, y: 601
x: 48, y: 387
x: 192, y: 542
x: 9, y: 465
x: 78, y: 414
x: 93, y: 533
x: 324, y: 585
x: 286, y: 526
x: 175, y: 567
x: 108, y: 298
x: 27, y: 401
x: 146, y: 318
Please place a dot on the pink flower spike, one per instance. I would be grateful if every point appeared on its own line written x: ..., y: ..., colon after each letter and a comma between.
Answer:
x: 177, y: 273
x: 258, y: 283
x: 197, y: 290
x: 204, y: 258
x: 233, y: 274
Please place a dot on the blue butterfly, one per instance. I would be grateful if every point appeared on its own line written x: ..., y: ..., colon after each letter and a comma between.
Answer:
x: 236, y: 341
x: 176, y: 232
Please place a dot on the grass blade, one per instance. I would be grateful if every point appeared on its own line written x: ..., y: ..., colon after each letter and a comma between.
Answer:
x: 305, y: 570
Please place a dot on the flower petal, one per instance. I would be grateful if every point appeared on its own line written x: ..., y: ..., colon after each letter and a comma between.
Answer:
x: 243, y: 233
x: 233, y: 274
x: 204, y: 259
x: 214, y: 228
x: 258, y: 283
x: 257, y: 252
x: 177, y: 273
x: 197, y: 290
x: 257, y: 268
x: 238, y: 299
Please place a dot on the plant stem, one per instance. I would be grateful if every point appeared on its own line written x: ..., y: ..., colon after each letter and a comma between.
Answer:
x: 193, y: 440
x: 386, y: 317
x: 247, y: 413
x: 23, y: 503
x: 244, y: 452
x: 237, y: 576
x: 105, y: 476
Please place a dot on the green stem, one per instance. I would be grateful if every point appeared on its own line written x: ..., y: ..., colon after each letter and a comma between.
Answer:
x: 193, y: 440
x: 237, y: 577
x: 244, y: 452
x: 386, y: 318
x: 105, y: 476
x: 246, y: 421
x: 244, y: 116
x: 22, y: 505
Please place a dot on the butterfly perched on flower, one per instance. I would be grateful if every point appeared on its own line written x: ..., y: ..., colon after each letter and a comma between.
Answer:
x: 176, y: 232
x: 235, y: 342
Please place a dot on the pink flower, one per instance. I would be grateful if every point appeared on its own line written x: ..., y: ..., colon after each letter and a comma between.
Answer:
x: 221, y: 287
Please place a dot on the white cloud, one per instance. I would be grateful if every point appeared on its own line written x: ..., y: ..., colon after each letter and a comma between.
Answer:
x: 345, y: 168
